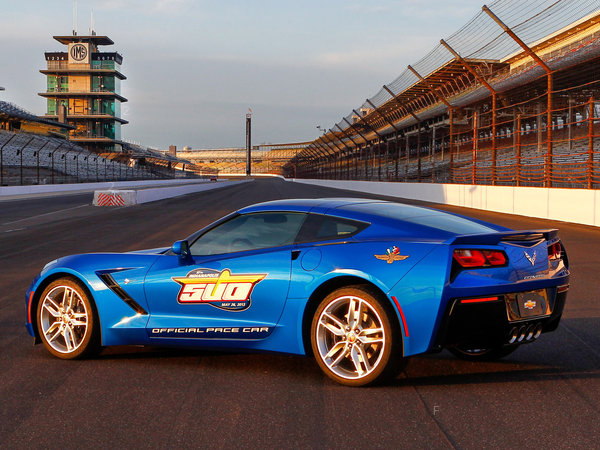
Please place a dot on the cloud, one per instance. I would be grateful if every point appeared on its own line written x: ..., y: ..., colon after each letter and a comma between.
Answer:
x: 369, y: 8
x: 145, y: 6
x: 397, y: 54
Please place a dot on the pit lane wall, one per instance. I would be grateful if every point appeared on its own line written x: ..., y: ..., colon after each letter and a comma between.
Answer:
x: 6, y: 191
x: 569, y: 205
x: 123, y: 197
x: 124, y: 193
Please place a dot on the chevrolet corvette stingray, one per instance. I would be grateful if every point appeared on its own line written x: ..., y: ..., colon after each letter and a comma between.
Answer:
x: 359, y: 284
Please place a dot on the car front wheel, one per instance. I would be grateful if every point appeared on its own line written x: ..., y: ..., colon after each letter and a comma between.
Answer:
x: 66, y: 321
x: 353, y: 339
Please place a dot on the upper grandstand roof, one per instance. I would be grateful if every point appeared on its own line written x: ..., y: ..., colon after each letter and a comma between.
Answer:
x: 139, y: 151
x: 440, y: 79
x: 10, y: 110
x: 98, y: 40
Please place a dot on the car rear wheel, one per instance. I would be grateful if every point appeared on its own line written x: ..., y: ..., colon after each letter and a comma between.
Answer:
x: 482, y: 354
x: 352, y: 337
x: 66, y: 320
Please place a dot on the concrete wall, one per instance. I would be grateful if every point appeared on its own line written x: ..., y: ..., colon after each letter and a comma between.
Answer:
x: 46, y: 188
x: 154, y: 194
x: 569, y: 205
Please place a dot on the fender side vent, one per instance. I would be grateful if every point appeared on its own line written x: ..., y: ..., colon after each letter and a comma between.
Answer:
x: 114, y: 286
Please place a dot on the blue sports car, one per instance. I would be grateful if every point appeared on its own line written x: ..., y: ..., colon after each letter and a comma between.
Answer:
x: 360, y: 284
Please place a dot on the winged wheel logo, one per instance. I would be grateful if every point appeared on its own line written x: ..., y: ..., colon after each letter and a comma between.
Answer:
x: 392, y: 255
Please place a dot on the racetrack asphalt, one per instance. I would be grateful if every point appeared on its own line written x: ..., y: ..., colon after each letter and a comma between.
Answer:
x: 545, y: 395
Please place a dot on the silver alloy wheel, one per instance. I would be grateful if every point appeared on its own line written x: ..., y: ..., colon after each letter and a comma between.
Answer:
x: 64, y: 319
x: 350, y: 337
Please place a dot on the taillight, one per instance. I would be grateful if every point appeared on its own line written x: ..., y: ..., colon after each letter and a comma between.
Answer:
x: 554, y: 251
x: 471, y: 258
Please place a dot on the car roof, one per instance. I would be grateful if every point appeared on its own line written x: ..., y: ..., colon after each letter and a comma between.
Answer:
x: 415, y: 219
x: 304, y: 204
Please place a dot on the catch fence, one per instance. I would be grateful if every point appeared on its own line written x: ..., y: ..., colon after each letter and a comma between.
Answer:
x: 512, y: 98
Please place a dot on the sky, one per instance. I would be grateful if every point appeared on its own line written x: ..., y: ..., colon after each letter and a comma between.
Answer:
x: 194, y: 67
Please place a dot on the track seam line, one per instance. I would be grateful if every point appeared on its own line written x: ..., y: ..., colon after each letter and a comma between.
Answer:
x: 45, y: 214
x: 592, y: 349
x: 446, y: 435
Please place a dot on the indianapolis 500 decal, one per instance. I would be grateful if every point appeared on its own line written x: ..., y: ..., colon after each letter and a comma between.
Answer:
x: 222, y: 290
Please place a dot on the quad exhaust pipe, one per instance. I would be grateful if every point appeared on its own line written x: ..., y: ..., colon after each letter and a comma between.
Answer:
x: 524, y: 333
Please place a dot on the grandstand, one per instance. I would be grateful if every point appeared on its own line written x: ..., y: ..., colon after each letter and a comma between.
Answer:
x: 512, y: 98
x: 34, y: 150
x: 14, y: 118
x: 266, y: 158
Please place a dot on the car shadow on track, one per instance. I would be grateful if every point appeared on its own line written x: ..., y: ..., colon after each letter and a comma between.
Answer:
x: 569, y: 353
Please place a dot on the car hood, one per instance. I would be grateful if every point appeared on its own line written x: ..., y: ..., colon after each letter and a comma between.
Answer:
x: 151, y: 251
x: 90, y: 264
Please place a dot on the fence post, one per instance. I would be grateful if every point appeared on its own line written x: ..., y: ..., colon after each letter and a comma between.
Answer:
x: 432, y: 154
x: 494, y: 143
x: 419, y: 152
x: 38, y: 162
x: 66, y: 170
x: 549, y: 133
x: 451, y: 145
x: 387, y: 160
x: 2, y: 160
x: 397, y: 154
x: 473, y: 168
x: 407, y: 159
x: 22, y: 151
x: 518, y: 149
x: 379, y: 161
x: 590, y: 143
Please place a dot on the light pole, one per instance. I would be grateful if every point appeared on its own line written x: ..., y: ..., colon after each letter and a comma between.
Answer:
x: 249, y: 142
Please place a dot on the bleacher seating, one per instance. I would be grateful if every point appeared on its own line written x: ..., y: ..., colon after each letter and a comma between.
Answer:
x: 34, y: 159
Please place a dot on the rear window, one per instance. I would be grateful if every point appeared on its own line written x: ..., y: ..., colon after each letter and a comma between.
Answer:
x: 318, y: 227
x: 421, y: 216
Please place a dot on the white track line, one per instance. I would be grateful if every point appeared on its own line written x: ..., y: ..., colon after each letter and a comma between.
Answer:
x: 45, y: 214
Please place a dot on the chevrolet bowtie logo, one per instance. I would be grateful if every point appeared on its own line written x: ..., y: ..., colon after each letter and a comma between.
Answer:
x: 529, y: 304
x: 531, y: 258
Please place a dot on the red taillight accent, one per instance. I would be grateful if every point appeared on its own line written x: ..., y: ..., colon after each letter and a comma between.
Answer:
x: 479, y: 258
x: 479, y: 300
x: 469, y: 258
x: 563, y: 288
x: 554, y: 251
x: 495, y: 257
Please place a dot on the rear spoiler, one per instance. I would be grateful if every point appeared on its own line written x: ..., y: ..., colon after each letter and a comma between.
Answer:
x: 506, y: 236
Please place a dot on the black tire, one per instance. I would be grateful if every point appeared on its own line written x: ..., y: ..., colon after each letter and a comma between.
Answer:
x: 342, y: 343
x: 482, y: 354
x: 67, y: 321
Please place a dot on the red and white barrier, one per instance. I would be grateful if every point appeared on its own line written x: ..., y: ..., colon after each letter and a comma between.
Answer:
x: 115, y: 198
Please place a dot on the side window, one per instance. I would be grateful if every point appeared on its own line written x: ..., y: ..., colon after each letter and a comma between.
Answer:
x: 318, y: 227
x: 249, y: 232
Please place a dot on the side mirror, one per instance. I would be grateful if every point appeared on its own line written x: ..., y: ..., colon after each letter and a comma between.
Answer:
x: 181, y: 248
